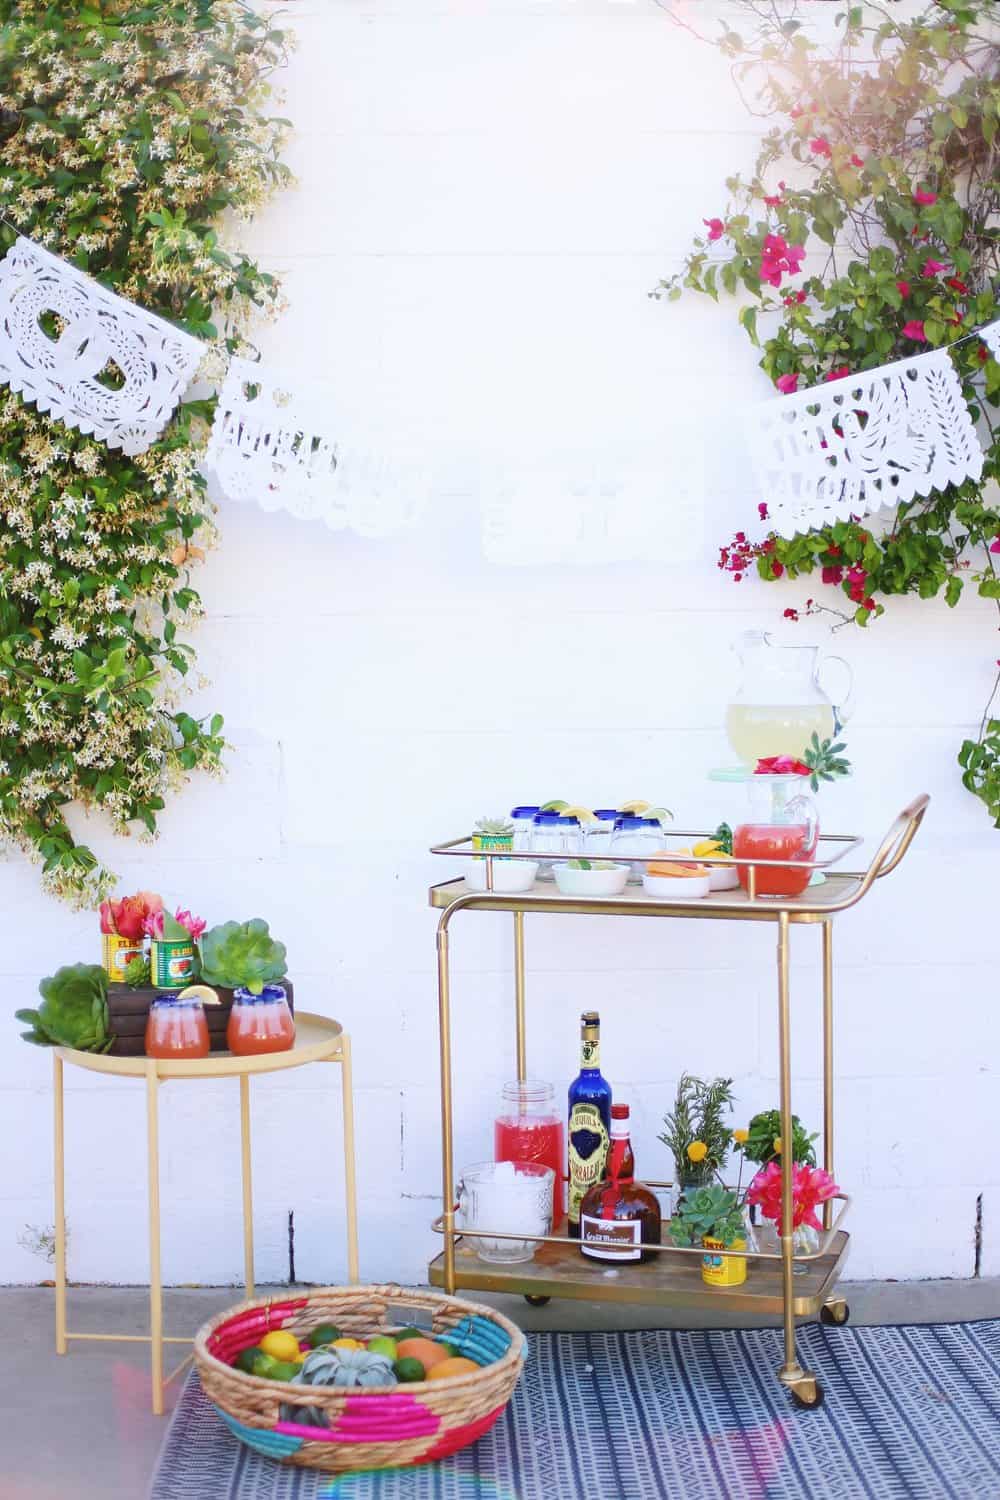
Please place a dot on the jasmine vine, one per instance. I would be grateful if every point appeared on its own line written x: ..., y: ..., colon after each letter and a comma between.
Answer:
x: 127, y: 131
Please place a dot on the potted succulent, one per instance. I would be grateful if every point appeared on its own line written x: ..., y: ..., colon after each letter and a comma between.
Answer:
x: 493, y: 834
x: 242, y: 955
x: 713, y: 1216
x: 695, y: 1134
x: 73, y: 1012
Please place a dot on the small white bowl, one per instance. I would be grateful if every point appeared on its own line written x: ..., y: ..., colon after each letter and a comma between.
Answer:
x: 510, y: 876
x: 573, y: 882
x: 677, y: 887
x: 723, y: 877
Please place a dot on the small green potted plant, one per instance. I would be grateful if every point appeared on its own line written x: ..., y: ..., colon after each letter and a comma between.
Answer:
x: 712, y: 1216
x: 242, y: 955
x: 761, y: 1144
x: 696, y: 1135
x: 73, y: 1012
x: 494, y: 835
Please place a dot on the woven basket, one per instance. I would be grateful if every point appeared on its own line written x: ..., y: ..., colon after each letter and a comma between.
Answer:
x: 369, y: 1427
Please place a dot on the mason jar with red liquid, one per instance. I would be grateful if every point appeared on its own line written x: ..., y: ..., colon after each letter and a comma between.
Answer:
x: 784, y: 826
x: 176, y: 1028
x: 260, y: 1023
x: 529, y: 1128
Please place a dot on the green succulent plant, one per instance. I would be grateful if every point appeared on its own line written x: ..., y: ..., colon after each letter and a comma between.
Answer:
x: 712, y: 1211
x: 73, y: 1012
x: 137, y: 974
x: 494, y: 828
x: 242, y: 955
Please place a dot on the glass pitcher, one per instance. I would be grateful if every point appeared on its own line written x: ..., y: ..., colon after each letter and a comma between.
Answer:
x: 784, y: 824
x: 781, y: 702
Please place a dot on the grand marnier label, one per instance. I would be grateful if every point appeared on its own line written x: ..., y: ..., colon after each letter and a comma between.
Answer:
x: 611, y: 1239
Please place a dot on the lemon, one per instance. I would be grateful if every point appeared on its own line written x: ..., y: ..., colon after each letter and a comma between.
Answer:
x: 202, y: 992
x: 557, y: 806
x: 661, y: 814
x: 584, y: 814
x: 710, y: 849
x: 281, y: 1345
x: 637, y: 807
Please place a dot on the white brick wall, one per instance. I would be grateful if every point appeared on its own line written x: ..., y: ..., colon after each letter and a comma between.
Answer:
x: 486, y: 193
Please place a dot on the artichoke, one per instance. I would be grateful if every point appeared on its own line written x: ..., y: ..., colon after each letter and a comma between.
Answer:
x: 340, y: 1367
x: 244, y: 955
x: 73, y: 1012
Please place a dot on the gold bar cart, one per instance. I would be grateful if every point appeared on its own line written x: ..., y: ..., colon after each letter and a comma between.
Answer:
x: 792, y: 1285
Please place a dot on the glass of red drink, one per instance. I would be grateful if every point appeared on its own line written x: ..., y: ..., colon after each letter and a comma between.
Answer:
x: 260, y: 1023
x: 528, y: 1129
x: 176, y: 1028
x: 784, y: 825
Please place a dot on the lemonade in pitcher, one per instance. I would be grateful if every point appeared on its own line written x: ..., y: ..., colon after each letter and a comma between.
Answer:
x: 781, y: 702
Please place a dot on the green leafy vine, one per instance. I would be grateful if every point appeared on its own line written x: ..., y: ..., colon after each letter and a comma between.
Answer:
x: 127, y: 131
x: 889, y: 134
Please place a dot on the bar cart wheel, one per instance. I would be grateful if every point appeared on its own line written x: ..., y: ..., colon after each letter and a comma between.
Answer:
x: 806, y: 1392
x: 536, y: 1301
x: 835, y: 1313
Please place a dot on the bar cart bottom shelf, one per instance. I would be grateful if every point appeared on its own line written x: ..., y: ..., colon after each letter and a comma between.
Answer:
x: 559, y: 1270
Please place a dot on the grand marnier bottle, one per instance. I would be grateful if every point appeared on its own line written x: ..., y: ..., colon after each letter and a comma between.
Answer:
x: 619, y: 1216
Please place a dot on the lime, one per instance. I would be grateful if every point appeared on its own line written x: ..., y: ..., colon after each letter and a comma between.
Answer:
x: 248, y: 1360
x: 451, y: 1351
x: 202, y: 992
x: 410, y: 1333
x: 661, y: 814
x: 382, y: 1344
x: 281, y: 1345
x: 408, y: 1370
x: 556, y: 806
x: 324, y: 1333
x: 282, y: 1370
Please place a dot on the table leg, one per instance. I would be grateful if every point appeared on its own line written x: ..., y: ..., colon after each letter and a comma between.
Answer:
x: 522, y: 1055
x: 59, y: 1137
x: 828, y: 1060
x: 247, y: 1173
x: 155, y: 1282
x: 350, y: 1173
x: 447, y: 1142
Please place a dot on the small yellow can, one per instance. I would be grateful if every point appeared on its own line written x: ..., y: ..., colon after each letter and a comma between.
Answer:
x: 116, y: 955
x: 723, y: 1270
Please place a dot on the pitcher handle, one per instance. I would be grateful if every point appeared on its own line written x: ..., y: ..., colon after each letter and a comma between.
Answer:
x: 841, y: 711
x: 805, y: 808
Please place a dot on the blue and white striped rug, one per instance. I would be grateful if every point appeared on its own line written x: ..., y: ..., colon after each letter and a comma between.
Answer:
x: 911, y: 1413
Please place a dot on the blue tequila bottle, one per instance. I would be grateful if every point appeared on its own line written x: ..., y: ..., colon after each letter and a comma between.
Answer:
x: 589, y: 1119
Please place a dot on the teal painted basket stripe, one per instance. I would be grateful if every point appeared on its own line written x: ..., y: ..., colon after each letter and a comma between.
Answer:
x: 271, y: 1444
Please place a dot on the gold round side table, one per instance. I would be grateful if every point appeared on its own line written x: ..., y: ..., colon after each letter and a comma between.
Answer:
x: 317, y: 1039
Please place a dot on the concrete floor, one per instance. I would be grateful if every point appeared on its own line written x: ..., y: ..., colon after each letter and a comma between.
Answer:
x: 81, y: 1425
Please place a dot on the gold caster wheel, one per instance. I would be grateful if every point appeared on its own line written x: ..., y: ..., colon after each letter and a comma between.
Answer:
x: 807, y: 1393
x: 835, y: 1314
x: 536, y: 1301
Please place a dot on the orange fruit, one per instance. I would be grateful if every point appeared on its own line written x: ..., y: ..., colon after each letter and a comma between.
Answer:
x: 425, y: 1350
x: 675, y: 871
x: 456, y: 1366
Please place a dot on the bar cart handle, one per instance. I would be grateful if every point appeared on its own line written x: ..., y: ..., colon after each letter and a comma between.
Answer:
x: 898, y: 839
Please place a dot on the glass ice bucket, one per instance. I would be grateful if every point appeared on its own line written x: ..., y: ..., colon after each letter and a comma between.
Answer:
x: 511, y: 1198
x: 781, y: 701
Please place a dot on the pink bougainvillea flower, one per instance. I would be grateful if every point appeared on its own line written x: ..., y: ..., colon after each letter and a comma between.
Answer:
x: 811, y: 1187
x: 914, y: 329
x: 933, y: 267
x: 777, y: 569
x: 957, y: 284
x: 833, y: 573
x: 779, y: 258
x: 820, y: 146
x: 838, y: 374
x: 762, y: 510
x: 857, y: 574
x: 195, y: 925
x: 995, y: 544
x: 924, y: 198
x: 781, y: 765
x: 715, y: 227
x: 791, y: 614
x: 787, y: 384
x: 772, y: 199
x: 982, y: 354
x: 795, y: 299
x: 903, y: 288
x: 868, y: 602
x: 796, y: 112
x: 856, y: 160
